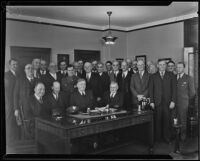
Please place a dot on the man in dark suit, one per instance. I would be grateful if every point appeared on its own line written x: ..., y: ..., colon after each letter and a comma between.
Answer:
x: 104, y: 81
x: 185, y: 93
x: 134, y: 67
x: 162, y: 90
x: 57, y: 101
x: 50, y: 77
x: 63, y: 72
x: 24, y: 88
x: 113, y: 97
x: 78, y: 71
x: 115, y: 74
x: 38, y: 108
x: 124, y: 86
x: 92, y: 82
x: 108, y: 67
x: 82, y: 98
x: 36, y: 67
x: 43, y: 69
x: 139, y: 83
x: 12, y: 130
x: 129, y: 62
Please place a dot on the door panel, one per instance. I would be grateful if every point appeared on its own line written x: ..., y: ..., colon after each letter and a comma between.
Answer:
x: 25, y: 55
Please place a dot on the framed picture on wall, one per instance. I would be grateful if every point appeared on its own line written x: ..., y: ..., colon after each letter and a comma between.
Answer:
x: 62, y: 57
x: 141, y: 57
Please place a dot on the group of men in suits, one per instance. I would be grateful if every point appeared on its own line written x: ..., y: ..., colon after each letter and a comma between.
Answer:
x: 42, y: 92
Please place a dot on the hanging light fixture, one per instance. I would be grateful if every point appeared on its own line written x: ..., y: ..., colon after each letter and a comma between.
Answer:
x: 109, y: 39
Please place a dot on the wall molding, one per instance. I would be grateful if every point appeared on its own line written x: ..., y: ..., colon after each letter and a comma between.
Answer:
x: 47, y: 21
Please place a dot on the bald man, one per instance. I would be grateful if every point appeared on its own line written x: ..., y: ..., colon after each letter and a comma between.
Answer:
x: 57, y: 100
x: 38, y: 108
x: 50, y: 77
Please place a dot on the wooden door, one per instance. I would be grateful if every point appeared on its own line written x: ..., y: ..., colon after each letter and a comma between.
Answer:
x: 25, y: 55
x: 87, y: 55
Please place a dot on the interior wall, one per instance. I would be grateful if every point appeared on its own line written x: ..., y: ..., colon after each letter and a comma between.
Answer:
x: 166, y: 41
x: 61, y: 40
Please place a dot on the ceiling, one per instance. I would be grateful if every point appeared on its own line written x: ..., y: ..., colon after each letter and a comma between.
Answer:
x: 122, y: 16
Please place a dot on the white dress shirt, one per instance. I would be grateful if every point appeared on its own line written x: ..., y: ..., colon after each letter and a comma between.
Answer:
x: 54, y: 75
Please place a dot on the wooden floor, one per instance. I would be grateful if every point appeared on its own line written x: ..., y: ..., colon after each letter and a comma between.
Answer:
x: 189, y: 149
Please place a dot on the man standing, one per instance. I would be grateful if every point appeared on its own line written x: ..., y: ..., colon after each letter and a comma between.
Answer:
x: 139, y: 83
x: 109, y: 67
x: 24, y: 88
x: 12, y: 130
x: 68, y: 84
x: 134, y: 67
x: 162, y: 90
x: 36, y: 66
x: 124, y: 85
x: 43, y: 69
x: 171, y: 67
x: 92, y: 82
x: 63, y: 72
x: 185, y: 93
x: 114, y: 76
x: 104, y: 80
x: 50, y: 77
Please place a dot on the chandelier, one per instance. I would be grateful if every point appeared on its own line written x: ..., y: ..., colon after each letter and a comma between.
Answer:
x: 109, y: 39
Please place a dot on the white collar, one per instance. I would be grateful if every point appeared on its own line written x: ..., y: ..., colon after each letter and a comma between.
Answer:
x: 142, y: 72
x: 37, y: 97
x: 101, y: 73
x: 116, y: 72
x: 125, y: 73
x: 81, y: 92
x: 29, y: 78
x: 113, y: 94
x: 162, y: 72
x: 181, y: 75
x: 89, y: 74
x: 13, y: 72
x: 53, y: 75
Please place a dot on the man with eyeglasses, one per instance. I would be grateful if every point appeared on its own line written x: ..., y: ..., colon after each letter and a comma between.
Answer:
x: 171, y: 67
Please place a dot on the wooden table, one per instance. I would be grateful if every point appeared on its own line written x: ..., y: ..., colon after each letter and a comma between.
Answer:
x: 56, y: 136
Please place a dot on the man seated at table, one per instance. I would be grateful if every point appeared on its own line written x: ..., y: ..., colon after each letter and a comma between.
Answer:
x: 113, y: 98
x: 57, y: 101
x: 38, y: 108
x: 82, y: 98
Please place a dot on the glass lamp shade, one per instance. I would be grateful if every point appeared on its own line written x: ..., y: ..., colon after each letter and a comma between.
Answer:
x: 109, y: 40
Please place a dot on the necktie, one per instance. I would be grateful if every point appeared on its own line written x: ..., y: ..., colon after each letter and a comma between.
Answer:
x: 87, y: 77
x: 179, y: 76
x: 40, y: 100
x: 140, y: 75
x: 123, y: 75
x: 111, y: 95
x: 162, y: 74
